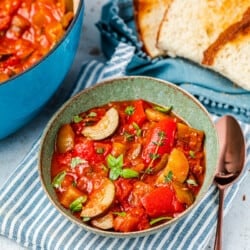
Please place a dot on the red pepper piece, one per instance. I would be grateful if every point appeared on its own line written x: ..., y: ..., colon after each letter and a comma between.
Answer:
x: 159, y: 140
x: 161, y: 202
x: 138, y: 115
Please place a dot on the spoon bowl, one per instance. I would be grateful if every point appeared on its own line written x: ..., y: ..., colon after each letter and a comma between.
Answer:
x: 230, y: 164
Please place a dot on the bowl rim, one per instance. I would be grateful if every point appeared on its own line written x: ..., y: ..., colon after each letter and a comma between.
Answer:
x: 113, y: 234
x: 80, y: 6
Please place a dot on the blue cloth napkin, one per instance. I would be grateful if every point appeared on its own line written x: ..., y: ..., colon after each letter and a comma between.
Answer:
x: 28, y: 217
x: 218, y: 94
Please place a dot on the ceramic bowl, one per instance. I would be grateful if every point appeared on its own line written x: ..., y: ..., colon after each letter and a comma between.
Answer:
x: 24, y: 95
x: 128, y: 88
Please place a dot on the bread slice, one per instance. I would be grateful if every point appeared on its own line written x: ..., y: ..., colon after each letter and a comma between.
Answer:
x: 148, y: 16
x: 215, y: 34
x: 232, y: 60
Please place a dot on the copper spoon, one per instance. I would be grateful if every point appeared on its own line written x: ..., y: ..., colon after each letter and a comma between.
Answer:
x: 230, y: 165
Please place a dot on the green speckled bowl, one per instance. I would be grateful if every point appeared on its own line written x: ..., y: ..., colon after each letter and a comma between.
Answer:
x: 128, y: 88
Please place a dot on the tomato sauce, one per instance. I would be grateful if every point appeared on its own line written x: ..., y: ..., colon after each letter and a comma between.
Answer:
x: 28, y: 31
x: 127, y: 166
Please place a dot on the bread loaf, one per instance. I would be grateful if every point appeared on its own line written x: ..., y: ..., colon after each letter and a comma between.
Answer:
x: 214, y: 34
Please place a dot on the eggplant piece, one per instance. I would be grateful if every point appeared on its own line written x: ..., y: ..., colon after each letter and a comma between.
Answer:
x: 105, y: 127
x: 105, y: 222
x: 100, y: 200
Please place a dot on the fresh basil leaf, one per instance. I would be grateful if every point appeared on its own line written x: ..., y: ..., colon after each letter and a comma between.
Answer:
x: 77, y: 118
x: 163, y: 109
x: 92, y: 114
x: 85, y: 219
x: 156, y: 220
x: 122, y: 214
x: 76, y: 161
x: 137, y: 128
x: 129, y: 173
x: 76, y: 205
x: 192, y: 153
x: 192, y: 182
x: 115, y: 162
x: 115, y: 165
x: 57, y: 181
x: 114, y: 173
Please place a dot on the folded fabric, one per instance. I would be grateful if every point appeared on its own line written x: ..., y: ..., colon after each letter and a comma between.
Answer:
x: 218, y: 94
x: 29, y: 218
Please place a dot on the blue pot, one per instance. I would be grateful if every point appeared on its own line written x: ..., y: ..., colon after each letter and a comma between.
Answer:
x: 23, y: 96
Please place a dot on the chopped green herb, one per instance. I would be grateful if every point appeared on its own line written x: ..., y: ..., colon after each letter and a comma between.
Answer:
x: 192, y: 182
x: 57, y: 181
x: 163, y: 109
x: 129, y: 110
x: 123, y: 214
x: 92, y: 114
x: 149, y: 170
x: 154, y: 156
x: 76, y: 205
x: 76, y: 161
x: 156, y: 220
x: 128, y: 136
x: 100, y: 150
x: 162, y: 135
x: 192, y: 153
x: 168, y: 177
x: 77, y: 118
x: 104, y: 168
x: 85, y: 219
x: 137, y: 128
x: 158, y: 143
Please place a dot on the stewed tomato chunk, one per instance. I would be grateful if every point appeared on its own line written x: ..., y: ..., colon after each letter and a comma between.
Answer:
x: 127, y: 165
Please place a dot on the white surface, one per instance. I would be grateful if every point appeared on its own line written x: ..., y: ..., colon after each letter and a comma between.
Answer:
x: 15, y: 147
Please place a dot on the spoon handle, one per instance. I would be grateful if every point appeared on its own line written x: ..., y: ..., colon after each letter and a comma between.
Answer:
x: 218, y: 236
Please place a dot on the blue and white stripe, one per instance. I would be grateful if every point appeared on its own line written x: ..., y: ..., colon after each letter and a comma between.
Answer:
x: 28, y: 217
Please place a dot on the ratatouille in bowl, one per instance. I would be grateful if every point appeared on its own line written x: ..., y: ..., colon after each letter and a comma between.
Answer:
x: 129, y: 156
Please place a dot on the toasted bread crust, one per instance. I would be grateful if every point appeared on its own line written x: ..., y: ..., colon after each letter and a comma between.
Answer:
x: 231, y: 34
x: 148, y: 16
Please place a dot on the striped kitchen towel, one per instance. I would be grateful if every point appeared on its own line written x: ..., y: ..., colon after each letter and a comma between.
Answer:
x: 28, y: 217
